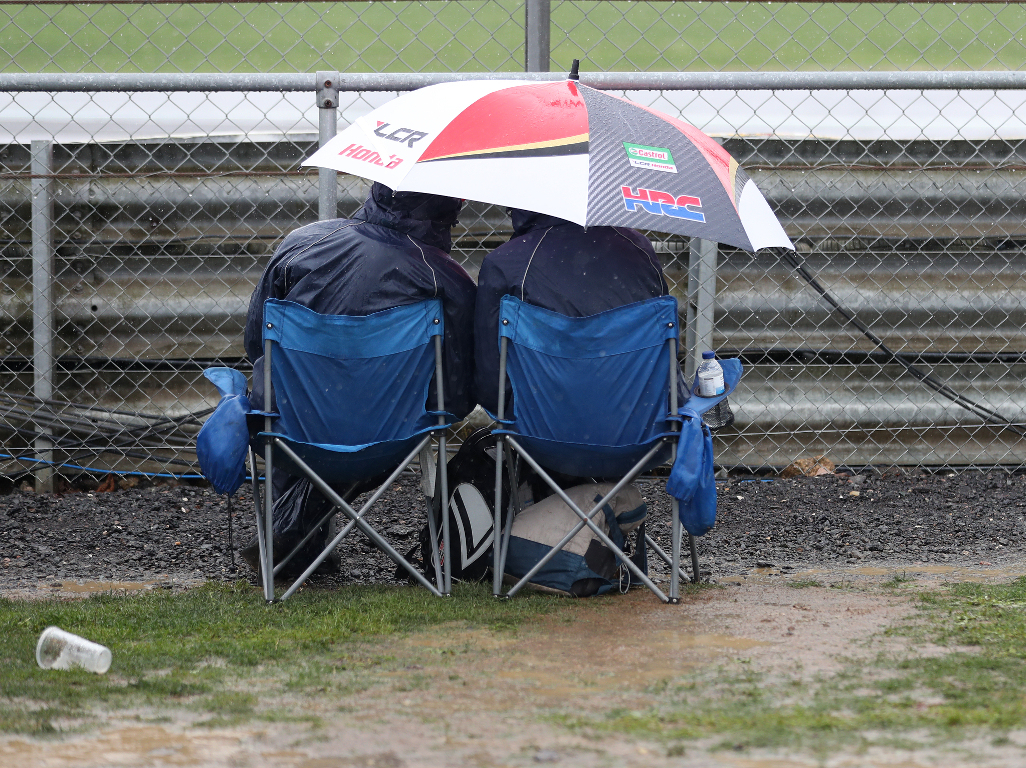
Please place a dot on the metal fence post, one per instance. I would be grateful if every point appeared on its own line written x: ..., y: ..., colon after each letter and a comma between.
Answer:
x: 327, y: 112
x: 536, y: 35
x: 701, y: 303
x: 42, y: 297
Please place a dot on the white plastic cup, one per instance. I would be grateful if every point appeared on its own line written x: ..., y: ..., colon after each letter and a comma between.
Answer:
x: 58, y: 649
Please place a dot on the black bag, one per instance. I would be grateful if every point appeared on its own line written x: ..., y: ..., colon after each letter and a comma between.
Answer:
x: 471, y: 509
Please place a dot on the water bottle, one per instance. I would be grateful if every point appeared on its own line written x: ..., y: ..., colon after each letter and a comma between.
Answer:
x: 710, y: 376
x: 710, y: 384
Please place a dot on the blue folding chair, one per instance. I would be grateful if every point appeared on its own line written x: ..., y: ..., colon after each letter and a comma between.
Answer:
x: 351, y: 395
x: 594, y: 397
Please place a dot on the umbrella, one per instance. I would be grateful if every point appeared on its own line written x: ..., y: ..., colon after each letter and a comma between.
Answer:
x: 560, y: 148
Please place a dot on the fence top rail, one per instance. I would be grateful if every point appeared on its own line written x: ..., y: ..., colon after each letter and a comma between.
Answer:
x: 297, y: 2
x: 627, y: 81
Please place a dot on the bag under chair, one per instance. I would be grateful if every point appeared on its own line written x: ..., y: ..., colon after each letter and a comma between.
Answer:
x: 585, y: 566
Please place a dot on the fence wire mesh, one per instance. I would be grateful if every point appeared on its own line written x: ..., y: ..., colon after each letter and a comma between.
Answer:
x: 906, y: 206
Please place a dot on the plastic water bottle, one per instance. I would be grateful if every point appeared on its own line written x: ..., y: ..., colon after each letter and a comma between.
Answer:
x: 710, y: 384
x: 710, y: 376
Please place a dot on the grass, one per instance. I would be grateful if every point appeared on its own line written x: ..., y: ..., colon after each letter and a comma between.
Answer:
x: 487, y: 35
x: 977, y: 686
x: 898, y: 580
x: 221, y: 652
x: 198, y: 647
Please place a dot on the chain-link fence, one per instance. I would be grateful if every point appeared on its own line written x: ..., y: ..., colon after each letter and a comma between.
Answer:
x: 137, y: 213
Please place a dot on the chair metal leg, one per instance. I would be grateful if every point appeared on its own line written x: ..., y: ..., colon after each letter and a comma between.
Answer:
x: 675, y: 535
x: 446, y: 541
x: 513, y: 509
x: 267, y: 565
x: 693, y: 543
x: 696, y: 574
x: 443, y: 461
x: 433, y: 528
x: 258, y: 512
x: 498, y: 540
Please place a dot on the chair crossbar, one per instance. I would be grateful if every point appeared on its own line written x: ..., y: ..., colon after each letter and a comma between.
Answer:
x: 661, y: 554
x: 355, y: 517
x: 628, y: 478
x: 586, y: 520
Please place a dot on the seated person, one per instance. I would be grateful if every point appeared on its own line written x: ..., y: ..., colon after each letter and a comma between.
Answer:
x: 393, y: 252
x: 561, y: 266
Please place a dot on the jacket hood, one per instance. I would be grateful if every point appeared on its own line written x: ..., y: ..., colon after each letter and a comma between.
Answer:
x: 428, y: 218
x: 525, y: 221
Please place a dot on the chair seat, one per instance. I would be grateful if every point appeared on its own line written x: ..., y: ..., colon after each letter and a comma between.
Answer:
x: 582, y: 460
x: 344, y: 463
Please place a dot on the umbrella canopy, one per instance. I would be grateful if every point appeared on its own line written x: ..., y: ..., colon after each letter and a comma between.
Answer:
x: 560, y: 148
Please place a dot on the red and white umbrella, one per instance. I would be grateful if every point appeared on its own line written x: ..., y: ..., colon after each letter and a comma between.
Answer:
x: 560, y: 148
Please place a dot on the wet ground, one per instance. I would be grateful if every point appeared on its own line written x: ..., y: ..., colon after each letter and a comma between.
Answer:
x: 163, y: 533
x: 462, y: 697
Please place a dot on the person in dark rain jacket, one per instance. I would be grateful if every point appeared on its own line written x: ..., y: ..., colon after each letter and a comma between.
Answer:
x: 393, y: 252
x: 561, y: 266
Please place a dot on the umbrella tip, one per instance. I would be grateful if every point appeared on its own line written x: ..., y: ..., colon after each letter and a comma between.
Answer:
x: 574, y: 70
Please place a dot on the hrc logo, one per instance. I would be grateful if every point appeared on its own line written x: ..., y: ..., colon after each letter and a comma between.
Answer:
x: 663, y: 203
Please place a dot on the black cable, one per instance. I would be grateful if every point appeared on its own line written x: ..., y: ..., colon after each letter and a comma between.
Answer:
x: 992, y: 417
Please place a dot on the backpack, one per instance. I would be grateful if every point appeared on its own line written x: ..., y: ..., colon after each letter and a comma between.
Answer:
x: 585, y: 566
x: 471, y: 477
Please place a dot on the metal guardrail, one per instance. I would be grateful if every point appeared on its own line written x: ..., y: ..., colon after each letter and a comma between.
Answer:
x: 614, y: 81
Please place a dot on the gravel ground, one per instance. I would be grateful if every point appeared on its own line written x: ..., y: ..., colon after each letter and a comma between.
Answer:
x: 162, y: 533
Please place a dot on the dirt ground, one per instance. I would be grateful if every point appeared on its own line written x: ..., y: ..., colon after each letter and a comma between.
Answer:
x: 469, y: 697
x: 464, y: 697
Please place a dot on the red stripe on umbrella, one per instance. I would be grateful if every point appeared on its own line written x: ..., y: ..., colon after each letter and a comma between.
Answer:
x: 526, y: 117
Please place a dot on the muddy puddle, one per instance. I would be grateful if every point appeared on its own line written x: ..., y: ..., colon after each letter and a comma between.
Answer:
x: 124, y: 746
x: 95, y: 587
x: 620, y: 646
x: 82, y: 588
x: 985, y: 572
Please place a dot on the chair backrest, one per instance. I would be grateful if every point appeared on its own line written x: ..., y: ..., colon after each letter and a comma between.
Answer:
x: 599, y: 380
x: 352, y: 380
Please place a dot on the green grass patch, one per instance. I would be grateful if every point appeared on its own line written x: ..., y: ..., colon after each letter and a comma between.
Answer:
x: 976, y: 687
x: 197, y: 647
x: 804, y: 583
x: 898, y: 580
x: 488, y: 35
